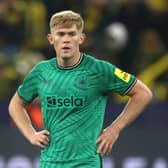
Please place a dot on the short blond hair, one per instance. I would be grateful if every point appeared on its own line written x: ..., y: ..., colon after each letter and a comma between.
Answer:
x: 66, y: 18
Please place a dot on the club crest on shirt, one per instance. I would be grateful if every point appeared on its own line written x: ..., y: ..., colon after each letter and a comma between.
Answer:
x: 82, y: 82
x: 122, y: 75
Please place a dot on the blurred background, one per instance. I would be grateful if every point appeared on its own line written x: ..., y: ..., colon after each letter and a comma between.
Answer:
x: 132, y: 34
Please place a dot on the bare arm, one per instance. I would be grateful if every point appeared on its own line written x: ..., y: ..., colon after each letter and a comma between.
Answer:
x: 140, y: 95
x: 17, y: 110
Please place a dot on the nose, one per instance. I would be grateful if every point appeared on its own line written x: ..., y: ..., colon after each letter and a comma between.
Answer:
x: 66, y: 39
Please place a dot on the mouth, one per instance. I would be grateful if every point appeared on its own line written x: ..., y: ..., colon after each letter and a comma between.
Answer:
x: 66, y: 48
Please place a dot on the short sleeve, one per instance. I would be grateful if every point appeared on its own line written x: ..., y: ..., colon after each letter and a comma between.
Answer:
x: 117, y: 80
x: 28, y: 89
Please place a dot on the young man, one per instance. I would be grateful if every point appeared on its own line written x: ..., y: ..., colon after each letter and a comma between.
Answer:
x: 73, y: 91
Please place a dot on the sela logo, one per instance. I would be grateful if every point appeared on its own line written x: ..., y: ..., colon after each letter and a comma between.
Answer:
x: 68, y: 102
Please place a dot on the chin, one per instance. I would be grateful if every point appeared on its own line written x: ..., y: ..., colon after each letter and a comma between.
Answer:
x: 67, y: 54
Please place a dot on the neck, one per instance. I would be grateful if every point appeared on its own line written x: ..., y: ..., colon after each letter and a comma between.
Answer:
x: 69, y: 61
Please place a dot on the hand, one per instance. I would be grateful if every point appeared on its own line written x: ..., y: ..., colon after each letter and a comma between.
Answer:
x: 107, y: 139
x: 40, y: 139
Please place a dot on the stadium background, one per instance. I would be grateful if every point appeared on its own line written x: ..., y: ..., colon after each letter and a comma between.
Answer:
x: 132, y: 34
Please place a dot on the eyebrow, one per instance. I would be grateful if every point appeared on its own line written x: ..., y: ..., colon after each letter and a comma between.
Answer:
x: 67, y: 32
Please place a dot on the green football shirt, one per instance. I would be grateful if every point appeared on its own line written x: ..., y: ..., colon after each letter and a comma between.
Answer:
x: 73, y: 102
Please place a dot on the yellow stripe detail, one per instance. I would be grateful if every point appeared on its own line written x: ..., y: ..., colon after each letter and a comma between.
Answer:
x: 122, y: 75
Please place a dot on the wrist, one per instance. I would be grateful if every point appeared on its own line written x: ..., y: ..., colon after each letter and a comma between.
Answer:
x: 31, y: 136
x: 116, y: 126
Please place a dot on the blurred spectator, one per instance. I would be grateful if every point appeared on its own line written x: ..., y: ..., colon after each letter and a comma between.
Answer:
x: 25, y: 60
x: 117, y: 36
x: 151, y: 63
x: 23, y: 23
x: 159, y: 18
x: 157, y: 6
x: 115, y: 41
x: 55, y: 6
x: 11, y: 23
x: 149, y: 50
x: 35, y: 25
x: 135, y: 15
x: 97, y: 16
x: 75, y: 5
x: 9, y: 78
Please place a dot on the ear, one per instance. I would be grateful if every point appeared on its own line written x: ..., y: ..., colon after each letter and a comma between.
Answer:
x: 82, y: 38
x: 50, y: 39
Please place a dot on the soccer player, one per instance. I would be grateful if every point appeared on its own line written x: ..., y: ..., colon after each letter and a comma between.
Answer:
x: 73, y: 91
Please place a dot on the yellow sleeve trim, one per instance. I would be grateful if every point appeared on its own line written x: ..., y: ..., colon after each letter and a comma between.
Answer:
x: 122, y: 75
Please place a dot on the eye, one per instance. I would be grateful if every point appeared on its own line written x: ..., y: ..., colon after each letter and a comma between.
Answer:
x: 72, y: 33
x: 60, y: 34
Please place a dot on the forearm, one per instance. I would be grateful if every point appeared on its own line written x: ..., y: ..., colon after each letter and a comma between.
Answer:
x: 139, y: 98
x: 130, y: 112
x: 17, y: 110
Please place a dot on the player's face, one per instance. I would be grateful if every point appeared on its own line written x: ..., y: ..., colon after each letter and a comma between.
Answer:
x: 66, y: 41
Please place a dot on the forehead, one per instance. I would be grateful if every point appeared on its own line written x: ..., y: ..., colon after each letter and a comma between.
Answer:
x: 65, y: 28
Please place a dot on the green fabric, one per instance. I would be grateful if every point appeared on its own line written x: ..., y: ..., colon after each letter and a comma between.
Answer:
x: 73, y: 103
